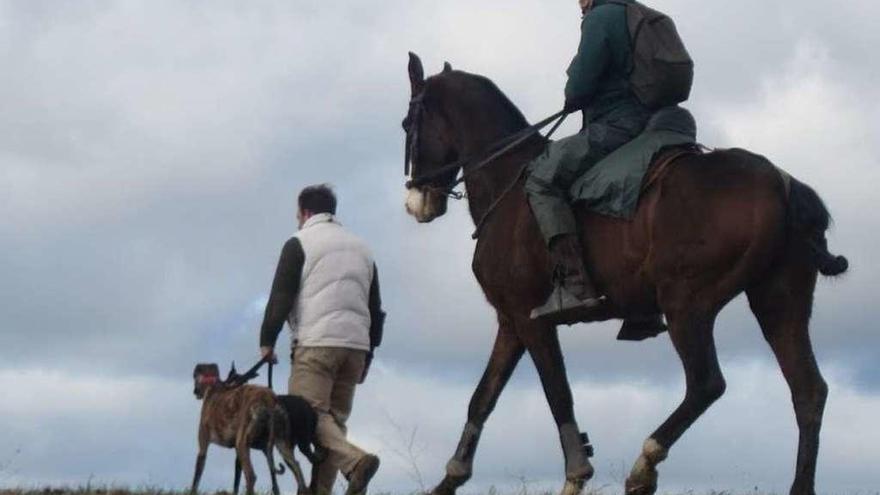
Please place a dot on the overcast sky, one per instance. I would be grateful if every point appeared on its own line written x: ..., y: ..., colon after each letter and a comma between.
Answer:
x: 150, y: 156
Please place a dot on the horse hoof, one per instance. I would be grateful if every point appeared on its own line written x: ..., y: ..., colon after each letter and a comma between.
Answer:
x: 573, y: 486
x: 641, y: 487
x: 448, y: 485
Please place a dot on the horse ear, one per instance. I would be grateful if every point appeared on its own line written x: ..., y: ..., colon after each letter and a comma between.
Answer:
x: 447, y: 67
x: 416, y: 74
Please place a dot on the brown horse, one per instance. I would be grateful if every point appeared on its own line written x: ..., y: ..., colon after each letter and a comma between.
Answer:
x: 714, y: 225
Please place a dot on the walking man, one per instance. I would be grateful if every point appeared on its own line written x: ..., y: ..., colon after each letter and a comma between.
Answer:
x: 327, y: 289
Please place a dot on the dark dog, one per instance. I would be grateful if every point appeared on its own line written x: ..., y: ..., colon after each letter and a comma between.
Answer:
x: 301, y: 424
x: 242, y: 417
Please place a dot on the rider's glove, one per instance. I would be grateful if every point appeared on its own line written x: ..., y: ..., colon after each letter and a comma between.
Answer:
x: 574, y: 104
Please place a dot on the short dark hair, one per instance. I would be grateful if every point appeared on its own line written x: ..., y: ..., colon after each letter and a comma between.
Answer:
x: 318, y: 199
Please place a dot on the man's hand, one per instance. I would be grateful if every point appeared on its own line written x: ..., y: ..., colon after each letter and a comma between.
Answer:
x: 269, y: 352
x: 367, y: 364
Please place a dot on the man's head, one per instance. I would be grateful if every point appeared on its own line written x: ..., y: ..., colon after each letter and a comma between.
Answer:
x: 204, y: 376
x: 314, y: 200
x: 585, y: 5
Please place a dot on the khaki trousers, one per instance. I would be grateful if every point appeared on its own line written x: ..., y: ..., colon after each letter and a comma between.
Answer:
x: 326, y: 377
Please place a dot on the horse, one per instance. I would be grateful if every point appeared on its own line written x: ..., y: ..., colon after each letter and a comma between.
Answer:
x: 712, y: 226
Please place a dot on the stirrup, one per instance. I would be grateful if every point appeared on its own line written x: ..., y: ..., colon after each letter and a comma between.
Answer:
x: 636, y: 328
x: 561, y: 304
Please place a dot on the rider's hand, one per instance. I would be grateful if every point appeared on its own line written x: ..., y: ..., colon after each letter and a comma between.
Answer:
x: 573, y: 105
x: 267, y: 351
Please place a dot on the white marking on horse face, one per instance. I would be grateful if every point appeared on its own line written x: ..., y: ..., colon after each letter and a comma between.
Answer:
x: 416, y: 201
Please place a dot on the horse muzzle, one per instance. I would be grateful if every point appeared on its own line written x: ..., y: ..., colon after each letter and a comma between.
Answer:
x: 425, y: 204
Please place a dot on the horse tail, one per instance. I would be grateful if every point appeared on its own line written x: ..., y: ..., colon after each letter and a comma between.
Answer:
x: 808, y: 219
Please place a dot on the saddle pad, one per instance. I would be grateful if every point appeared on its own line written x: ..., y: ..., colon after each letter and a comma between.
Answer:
x: 612, y: 186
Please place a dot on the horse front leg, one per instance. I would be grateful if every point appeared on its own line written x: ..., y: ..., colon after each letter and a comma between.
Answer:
x: 542, y: 342
x: 505, y: 355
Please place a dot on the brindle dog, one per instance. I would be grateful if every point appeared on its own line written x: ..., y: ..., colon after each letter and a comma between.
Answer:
x: 241, y: 417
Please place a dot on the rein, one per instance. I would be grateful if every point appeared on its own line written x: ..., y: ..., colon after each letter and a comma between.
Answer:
x: 494, y: 151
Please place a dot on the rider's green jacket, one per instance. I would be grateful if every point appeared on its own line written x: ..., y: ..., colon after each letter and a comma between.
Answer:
x: 598, y: 76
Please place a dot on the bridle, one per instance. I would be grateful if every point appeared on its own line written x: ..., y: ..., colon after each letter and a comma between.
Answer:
x: 480, y: 160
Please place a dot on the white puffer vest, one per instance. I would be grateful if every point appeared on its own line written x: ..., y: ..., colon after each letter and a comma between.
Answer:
x: 332, y: 309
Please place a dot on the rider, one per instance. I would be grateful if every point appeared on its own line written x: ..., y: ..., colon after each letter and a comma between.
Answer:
x: 598, y: 85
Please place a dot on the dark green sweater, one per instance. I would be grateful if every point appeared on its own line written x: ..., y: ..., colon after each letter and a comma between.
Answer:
x: 598, y: 76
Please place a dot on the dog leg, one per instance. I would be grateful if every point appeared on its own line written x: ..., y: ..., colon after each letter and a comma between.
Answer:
x: 242, y: 449
x: 306, y: 448
x: 200, y: 460
x: 237, y: 481
x: 270, y: 458
x: 289, y: 459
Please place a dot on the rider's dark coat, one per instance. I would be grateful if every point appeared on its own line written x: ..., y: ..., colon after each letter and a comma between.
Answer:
x: 598, y: 81
x: 598, y: 76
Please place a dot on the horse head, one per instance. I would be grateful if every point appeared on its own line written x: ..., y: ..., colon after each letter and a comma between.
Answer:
x: 430, y: 145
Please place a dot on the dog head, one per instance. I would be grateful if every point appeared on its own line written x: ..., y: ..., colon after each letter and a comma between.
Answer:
x: 204, y: 376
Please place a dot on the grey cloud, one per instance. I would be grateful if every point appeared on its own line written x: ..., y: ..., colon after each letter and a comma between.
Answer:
x: 151, y: 155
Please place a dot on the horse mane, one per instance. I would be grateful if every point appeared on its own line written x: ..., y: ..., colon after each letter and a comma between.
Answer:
x: 488, y: 87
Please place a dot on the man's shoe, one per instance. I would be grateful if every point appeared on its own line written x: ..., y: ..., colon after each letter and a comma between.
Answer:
x: 637, y: 328
x: 361, y: 475
x: 574, y: 291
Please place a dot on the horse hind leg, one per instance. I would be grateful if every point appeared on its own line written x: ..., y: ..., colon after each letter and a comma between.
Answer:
x: 782, y: 305
x: 691, y: 334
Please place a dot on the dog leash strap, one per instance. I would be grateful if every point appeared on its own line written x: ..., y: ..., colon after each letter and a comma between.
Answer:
x: 269, y: 375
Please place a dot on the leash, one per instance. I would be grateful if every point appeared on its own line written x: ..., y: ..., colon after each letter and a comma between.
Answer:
x: 269, y: 376
x: 252, y: 373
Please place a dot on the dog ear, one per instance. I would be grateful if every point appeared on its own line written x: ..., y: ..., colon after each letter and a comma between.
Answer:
x: 232, y: 372
x: 207, y: 369
x: 447, y: 67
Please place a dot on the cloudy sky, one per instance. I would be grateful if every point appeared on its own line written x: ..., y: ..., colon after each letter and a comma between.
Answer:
x: 150, y: 154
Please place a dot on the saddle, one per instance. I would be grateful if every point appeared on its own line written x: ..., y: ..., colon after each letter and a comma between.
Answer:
x: 663, y: 160
x: 613, y: 185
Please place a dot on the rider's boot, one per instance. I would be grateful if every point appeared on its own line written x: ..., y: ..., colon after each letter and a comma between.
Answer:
x: 641, y: 327
x: 573, y: 291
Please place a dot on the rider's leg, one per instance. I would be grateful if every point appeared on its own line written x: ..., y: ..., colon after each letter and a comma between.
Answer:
x: 547, y: 186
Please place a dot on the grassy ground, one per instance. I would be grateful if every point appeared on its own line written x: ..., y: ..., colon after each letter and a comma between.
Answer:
x: 155, y: 491
x: 148, y: 491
